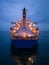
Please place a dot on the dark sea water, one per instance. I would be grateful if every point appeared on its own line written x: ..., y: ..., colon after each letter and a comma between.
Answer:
x: 8, y: 54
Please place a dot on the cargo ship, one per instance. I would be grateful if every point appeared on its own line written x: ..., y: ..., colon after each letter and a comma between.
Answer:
x: 24, y: 29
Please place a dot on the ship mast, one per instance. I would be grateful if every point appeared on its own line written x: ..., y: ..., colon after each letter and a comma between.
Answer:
x: 24, y: 17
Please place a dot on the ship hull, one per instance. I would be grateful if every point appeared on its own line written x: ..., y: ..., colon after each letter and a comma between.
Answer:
x: 24, y: 43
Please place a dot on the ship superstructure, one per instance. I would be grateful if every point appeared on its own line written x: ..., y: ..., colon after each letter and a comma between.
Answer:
x: 24, y: 29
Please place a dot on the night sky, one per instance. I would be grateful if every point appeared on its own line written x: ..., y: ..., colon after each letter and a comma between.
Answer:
x: 37, y: 11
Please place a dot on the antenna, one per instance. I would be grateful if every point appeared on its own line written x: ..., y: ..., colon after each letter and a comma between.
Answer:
x: 13, y: 22
x: 35, y: 22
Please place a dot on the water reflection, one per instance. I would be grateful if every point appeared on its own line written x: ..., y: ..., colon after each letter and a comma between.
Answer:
x: 24, y: 56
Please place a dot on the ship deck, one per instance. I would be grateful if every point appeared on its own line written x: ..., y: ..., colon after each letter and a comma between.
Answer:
x: 27, y: 38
